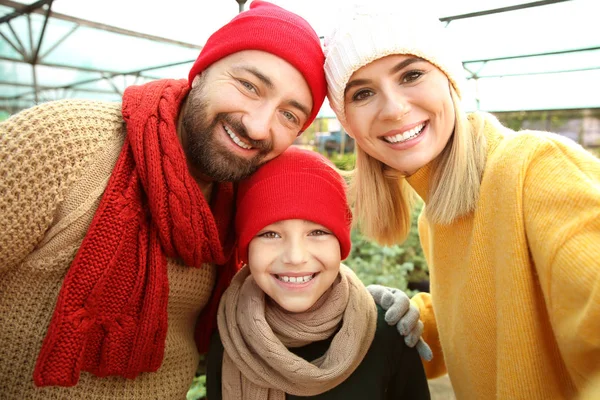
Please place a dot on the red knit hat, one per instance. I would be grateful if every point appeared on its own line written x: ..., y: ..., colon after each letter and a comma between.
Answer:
x: 272, y: 29
x: 298, y: 184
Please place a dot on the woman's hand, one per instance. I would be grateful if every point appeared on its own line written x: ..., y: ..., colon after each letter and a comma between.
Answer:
x: 404, y: 315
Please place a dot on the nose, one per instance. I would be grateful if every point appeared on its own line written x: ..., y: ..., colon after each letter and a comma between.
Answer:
x: 395, y: 105
x: 295, y: 252
x: 258, y: 122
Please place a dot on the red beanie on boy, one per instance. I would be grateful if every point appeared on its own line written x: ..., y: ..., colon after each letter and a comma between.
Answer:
x: 272, y: 29
x: 298, y: 184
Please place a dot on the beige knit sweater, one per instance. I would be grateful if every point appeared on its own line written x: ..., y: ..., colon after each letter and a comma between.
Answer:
x: 55, y: 161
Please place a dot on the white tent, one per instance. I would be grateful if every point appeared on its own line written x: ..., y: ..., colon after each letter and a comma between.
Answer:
x: 539, y: 55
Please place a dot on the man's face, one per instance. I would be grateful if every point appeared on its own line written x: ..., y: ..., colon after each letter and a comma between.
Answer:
x: 243, y: 111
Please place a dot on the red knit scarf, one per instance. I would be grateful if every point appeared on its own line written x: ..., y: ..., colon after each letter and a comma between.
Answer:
x: 111, y: 313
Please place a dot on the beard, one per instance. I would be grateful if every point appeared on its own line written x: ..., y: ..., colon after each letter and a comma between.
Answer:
x: 205, y: 153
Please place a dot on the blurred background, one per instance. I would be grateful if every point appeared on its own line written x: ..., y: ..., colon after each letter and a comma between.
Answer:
x: 533, y: 64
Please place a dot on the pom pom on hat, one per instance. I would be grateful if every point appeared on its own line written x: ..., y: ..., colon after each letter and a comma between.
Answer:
x: 366, y: 33
x: 298, y: 184
x: 272, y: 29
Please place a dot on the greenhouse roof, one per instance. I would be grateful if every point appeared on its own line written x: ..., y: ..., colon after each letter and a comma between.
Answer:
x: 517, y: 55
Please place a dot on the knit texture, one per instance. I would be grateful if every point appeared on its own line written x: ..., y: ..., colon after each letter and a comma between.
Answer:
x: 389, y: 371
x: 299, y: 184
x: 55, y: 162
x: 515, y: 285
x: 272, y: 29
x: 592, y: 390
x: 111, y: 313
x: 367, y: 32
x: 256, y: 334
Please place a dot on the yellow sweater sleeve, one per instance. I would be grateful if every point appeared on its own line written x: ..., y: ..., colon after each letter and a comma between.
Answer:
x: 561, y: 207
x: 592, y: 390
x: 437, y: 366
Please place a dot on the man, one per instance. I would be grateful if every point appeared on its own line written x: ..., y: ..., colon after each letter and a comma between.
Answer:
x: 114, y: 218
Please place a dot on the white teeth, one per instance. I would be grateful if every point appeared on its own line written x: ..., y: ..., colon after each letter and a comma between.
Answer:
x: 236, y: 139
x: 403, y: 137
x: 295, y: 279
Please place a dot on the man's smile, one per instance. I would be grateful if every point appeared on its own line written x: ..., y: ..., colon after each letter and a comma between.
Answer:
x: 236, y: 138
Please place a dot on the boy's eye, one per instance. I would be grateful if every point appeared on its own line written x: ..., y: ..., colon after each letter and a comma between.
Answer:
x: 319, y: 232
x: 269, y: 235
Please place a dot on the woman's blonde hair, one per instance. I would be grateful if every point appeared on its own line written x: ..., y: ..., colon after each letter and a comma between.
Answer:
x: 383, y: 199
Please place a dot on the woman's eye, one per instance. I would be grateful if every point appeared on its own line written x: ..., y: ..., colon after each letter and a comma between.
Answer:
x: 269, y: 235
x: 411, y: 76
x: 248, y: 86
x: 362, y: 95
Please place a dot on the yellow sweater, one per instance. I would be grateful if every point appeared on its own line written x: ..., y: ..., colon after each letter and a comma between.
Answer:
x: 515, y: 285
x: 55, y: 161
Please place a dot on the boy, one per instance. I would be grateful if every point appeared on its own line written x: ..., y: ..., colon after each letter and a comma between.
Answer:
x: 295, y: 322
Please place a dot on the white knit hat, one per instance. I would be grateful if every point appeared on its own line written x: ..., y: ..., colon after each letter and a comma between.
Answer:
x: 371, y: 31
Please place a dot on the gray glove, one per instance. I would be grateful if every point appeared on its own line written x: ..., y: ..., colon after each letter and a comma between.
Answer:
x: 404, y: 315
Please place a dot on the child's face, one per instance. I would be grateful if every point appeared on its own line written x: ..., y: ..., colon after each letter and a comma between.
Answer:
x: 294, y: 262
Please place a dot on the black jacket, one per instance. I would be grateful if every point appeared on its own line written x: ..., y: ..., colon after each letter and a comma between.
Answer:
x: 390, y: 369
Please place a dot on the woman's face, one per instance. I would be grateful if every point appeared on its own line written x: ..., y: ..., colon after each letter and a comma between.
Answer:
x: 399, y: 110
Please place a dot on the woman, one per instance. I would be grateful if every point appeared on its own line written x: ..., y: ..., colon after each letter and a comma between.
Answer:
x: 511, y: 224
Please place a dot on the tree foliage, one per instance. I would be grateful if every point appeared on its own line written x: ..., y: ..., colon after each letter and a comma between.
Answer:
x: 198, y: 389
x: 393, y: 266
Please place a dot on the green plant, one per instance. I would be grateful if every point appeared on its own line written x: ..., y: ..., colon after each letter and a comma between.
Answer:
x: 393, y: 266
x: 198, y: 389
x: 344, y: 162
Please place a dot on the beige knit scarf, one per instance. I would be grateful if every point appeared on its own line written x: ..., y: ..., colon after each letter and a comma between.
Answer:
x: 256, y: 334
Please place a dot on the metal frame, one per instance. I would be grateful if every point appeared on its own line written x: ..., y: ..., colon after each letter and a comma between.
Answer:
x: 501, y: 10
x: 44, y: 7
x: 34, y: 58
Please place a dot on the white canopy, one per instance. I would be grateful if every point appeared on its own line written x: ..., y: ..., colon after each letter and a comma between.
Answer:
x: 517, y: 55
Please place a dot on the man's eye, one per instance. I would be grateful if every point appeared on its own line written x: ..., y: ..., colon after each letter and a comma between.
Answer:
x: 290, y: 117
x: 248, y: 86
x: 362, y: 95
